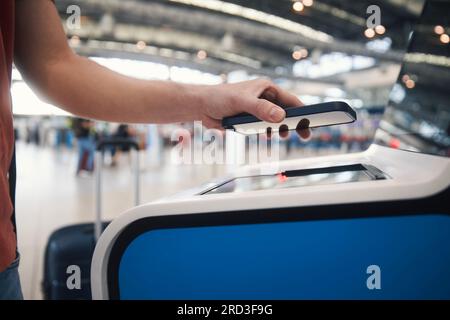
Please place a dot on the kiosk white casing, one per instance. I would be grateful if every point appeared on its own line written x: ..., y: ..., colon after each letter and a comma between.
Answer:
x: 411, y: 176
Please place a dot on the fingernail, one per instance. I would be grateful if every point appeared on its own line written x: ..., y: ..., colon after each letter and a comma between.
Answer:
x: 277, y: 114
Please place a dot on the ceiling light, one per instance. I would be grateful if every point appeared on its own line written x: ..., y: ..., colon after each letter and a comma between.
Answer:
x: 444, y: 38
x: 304, y: 52
x: 439, y: 29
x: 380, y: 29
x: 297, y: 55
x: 202, y: 55
x: 298, y: 6
x: 141, y: 45
x: 259, y: 16
x: 410, y: 84
x: 369, y: 33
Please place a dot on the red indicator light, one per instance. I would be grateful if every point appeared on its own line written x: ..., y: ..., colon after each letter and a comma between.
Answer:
x: 394, y: 143
x: 282, y: 178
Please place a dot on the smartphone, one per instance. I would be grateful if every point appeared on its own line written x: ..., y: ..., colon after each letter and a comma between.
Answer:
x: 311, y: 116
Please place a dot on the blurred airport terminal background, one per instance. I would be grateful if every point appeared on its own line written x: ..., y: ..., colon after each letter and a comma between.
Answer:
x: 320, y: 50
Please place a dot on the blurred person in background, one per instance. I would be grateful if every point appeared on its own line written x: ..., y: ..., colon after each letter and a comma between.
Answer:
x: 123, y: 132
x: 86, y: 141
x: 31, y: 35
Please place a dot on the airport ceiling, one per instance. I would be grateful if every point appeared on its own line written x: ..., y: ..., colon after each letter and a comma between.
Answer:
x: 174, y: 31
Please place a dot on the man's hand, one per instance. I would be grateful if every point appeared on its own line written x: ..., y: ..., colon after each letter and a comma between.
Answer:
x: 259, y: 97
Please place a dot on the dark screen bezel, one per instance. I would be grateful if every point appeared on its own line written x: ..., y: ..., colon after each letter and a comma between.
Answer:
x: 373, y: 172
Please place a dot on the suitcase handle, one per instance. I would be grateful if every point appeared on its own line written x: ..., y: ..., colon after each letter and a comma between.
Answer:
x: 115, y: 142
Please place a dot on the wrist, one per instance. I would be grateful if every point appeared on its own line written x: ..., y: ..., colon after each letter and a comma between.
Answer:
x: 196, y: 98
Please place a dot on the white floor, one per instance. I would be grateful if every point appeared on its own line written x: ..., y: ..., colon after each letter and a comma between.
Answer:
x: 50, y: 196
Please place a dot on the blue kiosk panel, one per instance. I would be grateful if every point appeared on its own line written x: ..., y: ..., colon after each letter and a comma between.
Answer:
x: 405, y: 257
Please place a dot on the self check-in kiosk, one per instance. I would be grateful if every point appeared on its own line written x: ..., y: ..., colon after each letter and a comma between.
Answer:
x: 370, y: 225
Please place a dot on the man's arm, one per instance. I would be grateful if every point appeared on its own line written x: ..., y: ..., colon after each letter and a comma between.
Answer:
x: 87, y: 89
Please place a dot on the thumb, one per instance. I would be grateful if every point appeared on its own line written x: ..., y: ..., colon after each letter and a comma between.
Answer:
x: 265, y: 110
